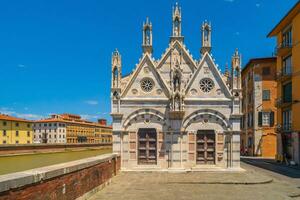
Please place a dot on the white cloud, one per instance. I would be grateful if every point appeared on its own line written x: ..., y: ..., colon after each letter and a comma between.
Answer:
x: 257, y: 5
x: 89, y: 117
x: 22, y: 66
x: 29, y: 116
x: 230, y: 1
x: 92, y: 102
x: 237, y: 33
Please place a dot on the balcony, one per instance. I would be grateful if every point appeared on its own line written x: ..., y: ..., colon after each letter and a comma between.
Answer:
x: 283, y: 48
x: 285, y: 73
x: 287, y: 127
x: 278, y: 102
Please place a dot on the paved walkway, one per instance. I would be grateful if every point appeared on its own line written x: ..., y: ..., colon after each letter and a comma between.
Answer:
x: 196, y: 185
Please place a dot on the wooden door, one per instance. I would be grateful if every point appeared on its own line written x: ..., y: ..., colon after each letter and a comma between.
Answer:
x: 206, y: 147
x: 147, y: 146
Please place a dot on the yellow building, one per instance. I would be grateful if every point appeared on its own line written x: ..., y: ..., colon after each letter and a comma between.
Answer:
x: 15, y: 130
x: 287, y: 32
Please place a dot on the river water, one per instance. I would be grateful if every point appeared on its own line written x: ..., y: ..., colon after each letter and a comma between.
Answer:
x: 10, y: 164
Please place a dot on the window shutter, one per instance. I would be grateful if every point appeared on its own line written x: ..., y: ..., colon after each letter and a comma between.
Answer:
x: 259, y: 119
x: 271, y: 118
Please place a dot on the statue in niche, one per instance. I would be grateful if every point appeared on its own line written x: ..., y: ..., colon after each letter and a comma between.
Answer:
x: 177, y: 103
x: 176, y: 28
x: 176, y: 82
x: 115, y: 77
x: 116, y: 95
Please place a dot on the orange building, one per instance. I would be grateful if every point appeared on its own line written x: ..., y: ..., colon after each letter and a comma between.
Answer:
x: 287, y: 32
x: 70, y: 128
x: 258, y: 137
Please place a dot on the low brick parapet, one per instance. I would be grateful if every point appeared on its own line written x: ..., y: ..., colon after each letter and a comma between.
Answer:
x: 69, y: 180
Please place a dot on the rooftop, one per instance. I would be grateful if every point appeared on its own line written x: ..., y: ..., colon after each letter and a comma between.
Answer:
x: 287, y: 19
x: 72, y: 119
x: 11, y: 118
x: 259, y: 60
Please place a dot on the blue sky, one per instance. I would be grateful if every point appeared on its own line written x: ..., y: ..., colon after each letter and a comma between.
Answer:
x: 55, y: 55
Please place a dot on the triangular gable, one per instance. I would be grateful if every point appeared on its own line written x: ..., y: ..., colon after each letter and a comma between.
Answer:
x: 215, y: 73
x: 146, y: 58
x: 176, y: 43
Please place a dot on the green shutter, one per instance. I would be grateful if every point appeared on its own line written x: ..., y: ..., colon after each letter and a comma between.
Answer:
x: 271, y: 118
x: 260, y: 119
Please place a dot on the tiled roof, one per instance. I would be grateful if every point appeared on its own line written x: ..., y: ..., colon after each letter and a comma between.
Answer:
x: 71, y: 121
x: 11, y: 118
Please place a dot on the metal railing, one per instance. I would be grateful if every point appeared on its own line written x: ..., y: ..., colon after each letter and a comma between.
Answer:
x: 287, y: 126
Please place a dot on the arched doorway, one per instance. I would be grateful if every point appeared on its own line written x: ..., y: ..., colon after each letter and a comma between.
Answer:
x: 147, y: 146
x: 206, y: 147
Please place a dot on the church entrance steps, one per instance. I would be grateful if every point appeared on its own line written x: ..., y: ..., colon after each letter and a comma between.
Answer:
x: 183, y: 170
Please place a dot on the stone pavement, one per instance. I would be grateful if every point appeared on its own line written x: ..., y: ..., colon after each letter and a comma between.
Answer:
x: 247, y: 185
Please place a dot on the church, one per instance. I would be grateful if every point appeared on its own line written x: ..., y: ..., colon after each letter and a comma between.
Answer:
x: 176, y: 112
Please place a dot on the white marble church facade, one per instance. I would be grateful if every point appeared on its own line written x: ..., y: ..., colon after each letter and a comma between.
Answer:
x: 176, y: 112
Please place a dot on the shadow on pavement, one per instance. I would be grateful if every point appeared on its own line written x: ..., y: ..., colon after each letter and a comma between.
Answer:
x: 272, y: 165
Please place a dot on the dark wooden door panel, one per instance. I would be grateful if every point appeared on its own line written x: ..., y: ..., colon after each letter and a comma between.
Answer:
x: 205, y: 147
x: 147, y: 146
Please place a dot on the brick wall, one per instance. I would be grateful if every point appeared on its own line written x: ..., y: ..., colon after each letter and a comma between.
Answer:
x: 64, y: 185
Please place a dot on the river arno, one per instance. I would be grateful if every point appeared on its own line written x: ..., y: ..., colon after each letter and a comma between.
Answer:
x: 11, y: 164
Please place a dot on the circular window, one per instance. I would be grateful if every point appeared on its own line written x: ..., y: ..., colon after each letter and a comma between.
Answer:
x: 206, y: 85
x: 147, y: 84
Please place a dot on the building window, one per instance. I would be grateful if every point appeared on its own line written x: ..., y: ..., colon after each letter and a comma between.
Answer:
x: 40, y: 125
x: 17, y: 141
x: 17, y: 124
x: 266, y: 71
x: 28, y: 133
x: 45, y: 125
x: 17, y: 133
x: 40, y: 130
x: 40, y: 136
x: 287, y: 65
x: 266, y: 119
x: 287, y: 40
x: 28, y: 125
x: 266, y: 95
x: 206, y: 85
x: 28, y: 142
x: 4, y: 123
x: 4, y: 133
x: 287, y: 93
x: 50, y: 124
x: 4, y: 141
x: 287, y: 120
x: 147, y: 84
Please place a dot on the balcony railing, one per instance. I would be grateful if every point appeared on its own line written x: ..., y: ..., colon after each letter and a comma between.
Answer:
x: 287, y: 127
x: 283, y: 46
x: 285, y: 72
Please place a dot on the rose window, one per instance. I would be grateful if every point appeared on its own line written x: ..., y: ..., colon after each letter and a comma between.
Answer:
x: 147, y: 84
x: 206, y: 85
